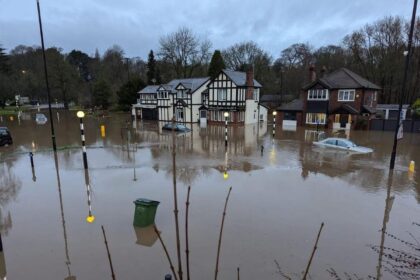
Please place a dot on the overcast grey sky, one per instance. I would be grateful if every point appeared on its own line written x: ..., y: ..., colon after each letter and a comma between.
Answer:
x: 137, y: 25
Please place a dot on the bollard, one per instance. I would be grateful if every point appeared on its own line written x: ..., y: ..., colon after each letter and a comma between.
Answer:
x: 31, y: 157
x: 1, y: 244
x: 168, y: 277
x: 103, y: 131
x: 412, y: 166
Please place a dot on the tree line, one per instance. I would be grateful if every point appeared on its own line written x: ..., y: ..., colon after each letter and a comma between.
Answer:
x: 111, y: 79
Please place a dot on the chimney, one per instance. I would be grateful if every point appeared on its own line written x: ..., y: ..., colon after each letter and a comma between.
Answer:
x: 312, y: 73
x: 249, y: 83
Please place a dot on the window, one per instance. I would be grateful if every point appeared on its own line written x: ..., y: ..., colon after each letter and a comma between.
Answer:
x: 181, y: 94
x: 221, y: 94
x: 290, y: 116
x: 346, y: 94
x: 318, y: 94
x: 316, y: 118
x: 255, y: 94
x: 241, y: 96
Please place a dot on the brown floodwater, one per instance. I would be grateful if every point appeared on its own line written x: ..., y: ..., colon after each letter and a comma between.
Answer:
x: 278, y: 201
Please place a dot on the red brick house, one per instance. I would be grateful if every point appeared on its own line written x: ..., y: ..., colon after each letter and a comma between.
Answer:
x: 339, y: 100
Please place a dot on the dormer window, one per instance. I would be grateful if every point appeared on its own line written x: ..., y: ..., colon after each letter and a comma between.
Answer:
x: 163, y: 95
x: 318, y: 94
x: 346, y: 95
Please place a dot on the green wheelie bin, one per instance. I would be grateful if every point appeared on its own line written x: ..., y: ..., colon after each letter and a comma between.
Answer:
x: 145, y: 211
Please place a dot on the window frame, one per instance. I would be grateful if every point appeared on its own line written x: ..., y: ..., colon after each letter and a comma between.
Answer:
x: 221, y: 92
x: 311, y: 118
x: 344, y: 92
x: 318, y: 94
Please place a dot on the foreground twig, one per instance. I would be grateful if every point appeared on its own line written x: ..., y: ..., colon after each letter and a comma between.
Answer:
x: 216, y: 271
x: 109, y: 254
x: 166, y: 252
x: 313, y: 252
x: 280, y: 271
x: 187, y: 250
x: 239, y: 277
x: 178, y: 241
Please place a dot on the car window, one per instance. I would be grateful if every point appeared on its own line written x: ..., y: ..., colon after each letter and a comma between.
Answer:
x: 330, y: 142
x: 341, y: 143
x: 3, y: 132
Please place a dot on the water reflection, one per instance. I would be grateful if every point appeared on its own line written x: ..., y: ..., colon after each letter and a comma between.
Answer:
x: 146, y: 236
x: 10, y: 184
x: 389, y: 200
x: 144, y: 143
x: 63, y: 220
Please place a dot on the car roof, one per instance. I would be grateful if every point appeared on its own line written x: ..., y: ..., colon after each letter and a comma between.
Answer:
x: 3, y: 128
x: 337, y: 138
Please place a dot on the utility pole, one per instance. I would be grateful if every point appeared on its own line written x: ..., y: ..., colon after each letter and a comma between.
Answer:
x: 407, y: 54
x: 46, y: 77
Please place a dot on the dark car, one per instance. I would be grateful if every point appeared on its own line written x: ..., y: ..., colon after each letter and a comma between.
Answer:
x: 176, y: 127
x: 5, y: 137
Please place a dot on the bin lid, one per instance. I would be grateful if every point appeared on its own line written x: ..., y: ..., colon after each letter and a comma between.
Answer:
x: 145, y: 201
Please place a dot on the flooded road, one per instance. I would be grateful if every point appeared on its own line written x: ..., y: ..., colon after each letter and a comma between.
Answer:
x: 279, y: 199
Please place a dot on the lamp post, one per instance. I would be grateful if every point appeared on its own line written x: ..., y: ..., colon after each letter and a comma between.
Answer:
x: 274, y: 122
x: 46, y: 78
x: 81, y: 115
x: 226, y: 114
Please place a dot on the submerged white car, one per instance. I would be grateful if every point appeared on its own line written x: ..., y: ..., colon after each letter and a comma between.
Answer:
x: 41, y: 119
x: 342, y: 144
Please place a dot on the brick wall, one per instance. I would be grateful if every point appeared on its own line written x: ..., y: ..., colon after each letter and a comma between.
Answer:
x: 335, y: 104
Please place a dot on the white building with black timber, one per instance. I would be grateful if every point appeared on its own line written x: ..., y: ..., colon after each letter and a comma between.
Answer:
x: 146, y: 106
x: 237, y: 93
x: 180, y: 98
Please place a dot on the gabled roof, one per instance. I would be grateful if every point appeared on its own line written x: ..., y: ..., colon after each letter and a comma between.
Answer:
x: 165, y: 87
x: 343, y: 78
x: 239, y: 78
x: 149, y: 90
x: 295, y: 105
x: 192, y: 83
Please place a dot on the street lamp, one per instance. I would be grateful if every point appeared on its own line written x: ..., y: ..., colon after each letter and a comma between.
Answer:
x: 81, y: 115
x: 274, y: 122
x: 226, y: 114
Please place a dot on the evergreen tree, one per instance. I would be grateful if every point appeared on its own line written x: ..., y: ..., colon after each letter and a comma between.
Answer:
x: 151, y: 69
x: 101, y: 94
x: 4, y: 62
x: 217, y: 64
x: 127, y: 94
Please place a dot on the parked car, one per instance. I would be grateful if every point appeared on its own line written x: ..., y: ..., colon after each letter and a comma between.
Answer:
x: 176, y: 127
x: 342, y: 144
x: 5, y: 137
x: 41, y: 119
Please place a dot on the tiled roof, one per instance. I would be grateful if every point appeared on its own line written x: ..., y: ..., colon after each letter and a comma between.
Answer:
x: 192, y: 83
x: 295, y: 105
x: 343, y: 78
x: 149, y: 90
x: 239, y: 78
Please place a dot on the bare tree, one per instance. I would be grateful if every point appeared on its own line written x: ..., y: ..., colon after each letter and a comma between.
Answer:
x: 184, y: 51
x: 240, y: 55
